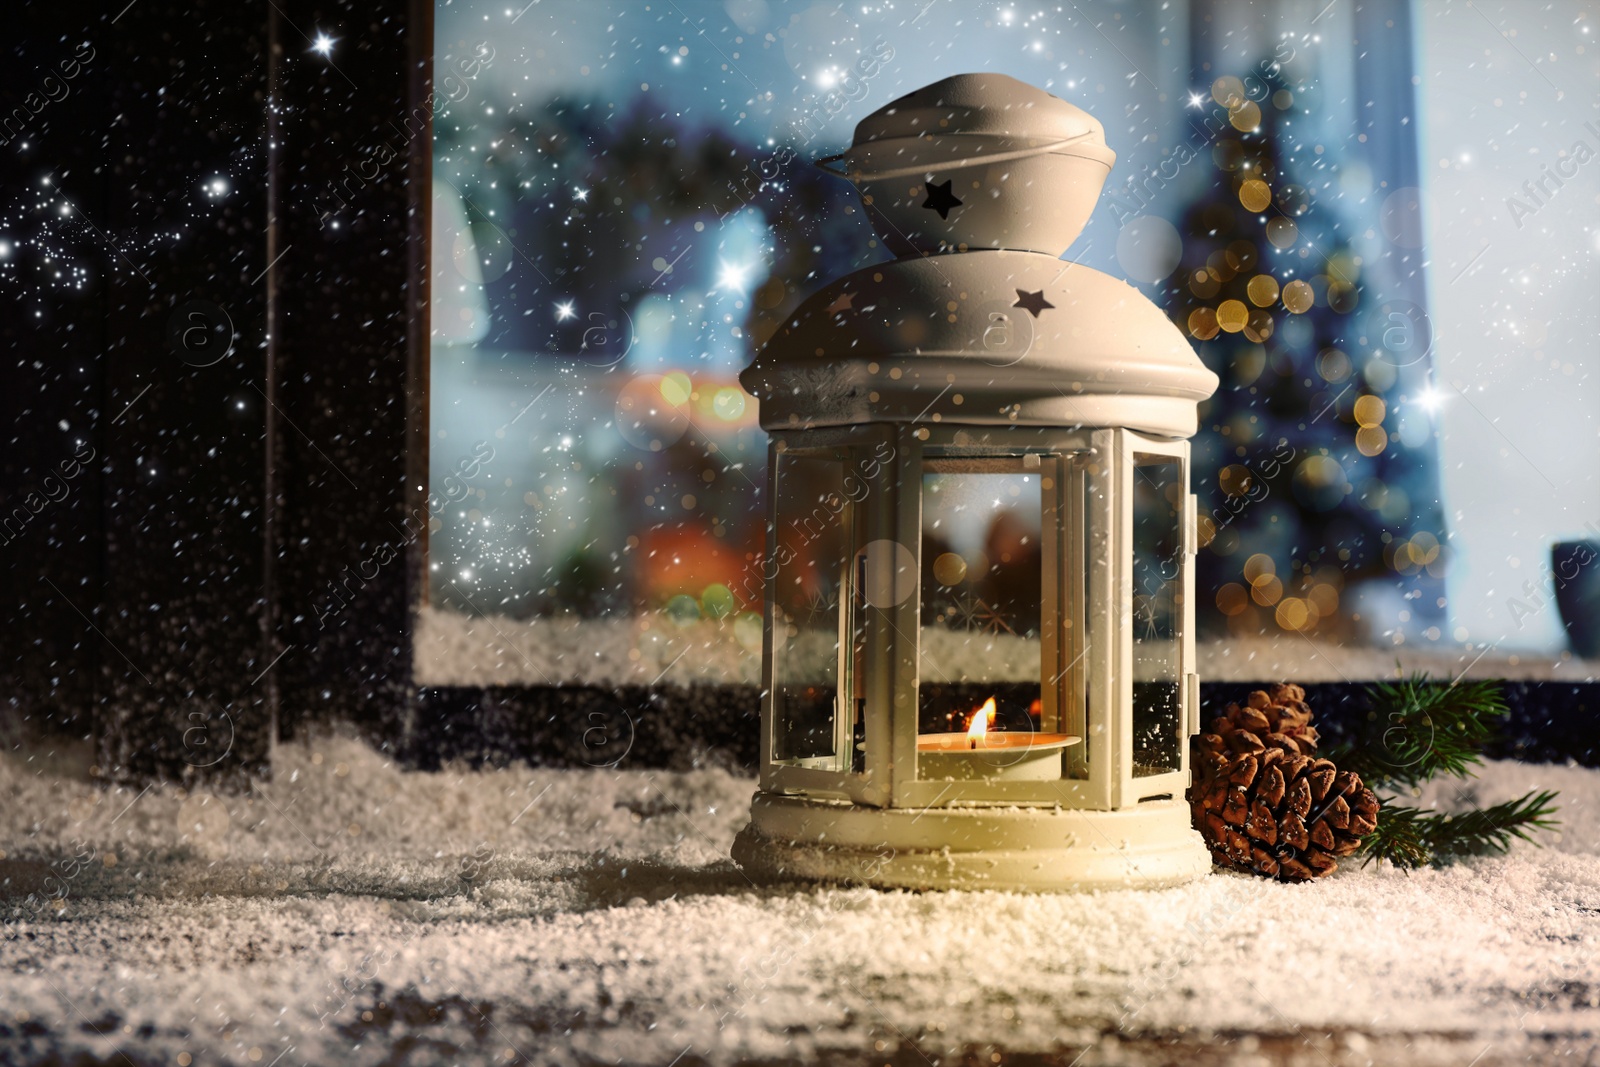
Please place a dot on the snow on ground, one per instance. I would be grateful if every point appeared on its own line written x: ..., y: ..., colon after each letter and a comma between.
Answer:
x: 351, y: 912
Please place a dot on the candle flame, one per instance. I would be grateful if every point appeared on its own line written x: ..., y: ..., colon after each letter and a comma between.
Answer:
x: 979, y: 728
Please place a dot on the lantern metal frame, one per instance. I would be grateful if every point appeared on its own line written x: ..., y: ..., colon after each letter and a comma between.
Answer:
x: 1099, y: 824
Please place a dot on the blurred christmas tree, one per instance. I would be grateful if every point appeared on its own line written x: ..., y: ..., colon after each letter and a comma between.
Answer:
x: 1315, y: 517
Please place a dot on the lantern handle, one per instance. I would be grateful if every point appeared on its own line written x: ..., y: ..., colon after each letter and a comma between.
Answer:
x: 906, y: 172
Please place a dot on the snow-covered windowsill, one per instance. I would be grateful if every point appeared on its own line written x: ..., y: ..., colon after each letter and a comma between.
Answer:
x: 457, y: 649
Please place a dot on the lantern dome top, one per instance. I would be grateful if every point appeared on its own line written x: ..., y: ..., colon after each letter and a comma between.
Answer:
x: 977, y: 161
x: 981, y: 105
x: 981, y: 338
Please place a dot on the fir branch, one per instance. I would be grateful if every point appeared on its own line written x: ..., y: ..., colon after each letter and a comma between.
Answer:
x: 1399, y: 838
x: 1413, y: 837
x: 1415, y: 730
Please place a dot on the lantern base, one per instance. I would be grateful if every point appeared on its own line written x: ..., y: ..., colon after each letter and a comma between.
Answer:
x: 1026, y: 849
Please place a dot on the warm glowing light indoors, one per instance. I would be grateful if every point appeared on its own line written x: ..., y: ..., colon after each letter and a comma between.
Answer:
x: 979, y: 730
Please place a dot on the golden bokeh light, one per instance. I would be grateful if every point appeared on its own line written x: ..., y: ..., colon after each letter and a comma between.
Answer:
x: 1425, y: 547
x: 1369, y: 410
x: 1255, y: 195
x: 1232, y: 599
x: 1298, y: 296
x: 1323, y: 597
x: 1333, y: 365
x: 950, y: 569
x: 1343, y: 298
x: 1259, y: 326
x: 1232, y: 315
x: 1371, y: 440
x: 1263, y: 290
x: 1295, y: 614
x: 1257, y: 566
x: 1245, y: 118
x: 1228, y: 91
x: 1203, y: 324
x: 1266, y: 590
x: 1235, y: 479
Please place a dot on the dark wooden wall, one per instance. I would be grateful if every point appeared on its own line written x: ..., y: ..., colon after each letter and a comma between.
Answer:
x: 228, y: 384
x: 350, y: 367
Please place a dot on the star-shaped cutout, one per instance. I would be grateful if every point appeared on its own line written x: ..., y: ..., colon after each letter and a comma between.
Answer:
x: 940, y: 199
x: 840, y: 303
x: 1033, y: 302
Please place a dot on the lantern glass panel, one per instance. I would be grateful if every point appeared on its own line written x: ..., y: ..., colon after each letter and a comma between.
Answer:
x: 983, y: 583
x: 1157, y: 498
x: 812, y: 727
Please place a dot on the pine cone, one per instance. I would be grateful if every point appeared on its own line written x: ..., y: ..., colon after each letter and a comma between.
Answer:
x: 1277, y: 718
x: 1282, y: 815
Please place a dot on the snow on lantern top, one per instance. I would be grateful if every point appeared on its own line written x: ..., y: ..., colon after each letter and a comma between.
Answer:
x: 978, y: 161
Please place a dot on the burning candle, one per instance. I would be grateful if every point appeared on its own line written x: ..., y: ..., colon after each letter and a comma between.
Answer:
x: 978, y: 732
x: 993, y: 755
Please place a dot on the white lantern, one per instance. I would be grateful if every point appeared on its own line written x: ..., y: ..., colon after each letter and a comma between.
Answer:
x: 979, y: 654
